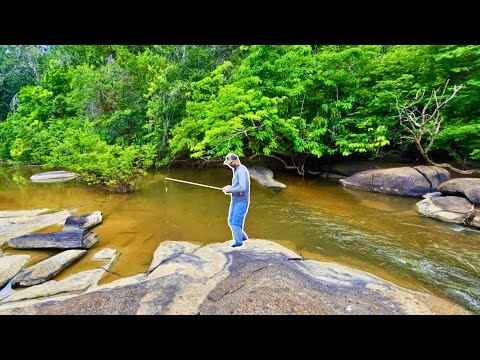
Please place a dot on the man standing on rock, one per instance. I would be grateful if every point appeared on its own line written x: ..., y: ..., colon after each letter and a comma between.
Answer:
x: 240, y: 198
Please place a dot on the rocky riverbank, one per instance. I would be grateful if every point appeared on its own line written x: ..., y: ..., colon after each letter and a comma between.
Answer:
x: 261, y: 277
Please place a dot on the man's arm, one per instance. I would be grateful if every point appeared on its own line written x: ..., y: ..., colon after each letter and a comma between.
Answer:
x: 242, y: 183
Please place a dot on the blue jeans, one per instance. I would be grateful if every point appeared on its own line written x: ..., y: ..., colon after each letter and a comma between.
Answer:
x: 236, y: 218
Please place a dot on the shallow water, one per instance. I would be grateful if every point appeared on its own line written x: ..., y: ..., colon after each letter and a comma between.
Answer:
x: 381, y: 234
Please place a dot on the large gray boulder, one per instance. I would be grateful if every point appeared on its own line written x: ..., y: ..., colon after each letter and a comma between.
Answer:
x: 451, y: 209
x: 402, y: 181
x: 53, y: 176
x: 434, y: 174
x: 467, y: 187
x: 348, y: 168
x: 73, y: 239
x: 47, y: 269
x: 265, y: 177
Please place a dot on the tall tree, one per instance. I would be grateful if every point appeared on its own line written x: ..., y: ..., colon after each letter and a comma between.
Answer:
x: 19, y: 66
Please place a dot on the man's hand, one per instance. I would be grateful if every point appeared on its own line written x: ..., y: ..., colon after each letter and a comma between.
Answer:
x: 225, y: 189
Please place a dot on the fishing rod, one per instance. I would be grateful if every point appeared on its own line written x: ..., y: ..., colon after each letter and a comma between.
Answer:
x: 193, y: 183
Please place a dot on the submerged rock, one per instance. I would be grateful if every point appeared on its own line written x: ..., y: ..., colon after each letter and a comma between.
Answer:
x: 53, y: 176
x: 21, y: 214
x: 107, y: 254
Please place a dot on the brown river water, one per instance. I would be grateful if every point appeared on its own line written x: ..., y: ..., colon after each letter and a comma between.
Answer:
x: 319, y: 219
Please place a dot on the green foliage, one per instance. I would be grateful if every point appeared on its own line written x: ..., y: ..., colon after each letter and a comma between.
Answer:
x: 117, y: 168
x: 202, y: 101
x: 19, y: 66
x: 24, y: 136
x: 282, y: 99
x: 460, y: 139
x: 475, y: 154
x: 225, y: 117
x: 58, y: 78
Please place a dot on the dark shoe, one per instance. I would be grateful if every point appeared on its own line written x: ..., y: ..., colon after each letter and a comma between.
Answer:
x: 235, y: 245
x: 244, y: 239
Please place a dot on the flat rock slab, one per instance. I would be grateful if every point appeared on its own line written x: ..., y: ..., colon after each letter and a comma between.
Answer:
x: 74, y: 239
x: 10, y: 266
x: 262, y: 286
x: 47, y: 269
x: 53, y: 176
x: 169, y: 250
x: 83, y: 221
x: 453, y: 209
x: 76, y: 283
x: 104, y: 254
x: 109, y: 255
x: 5, y: 214
x: 27, y: 222
x: 453, y: 204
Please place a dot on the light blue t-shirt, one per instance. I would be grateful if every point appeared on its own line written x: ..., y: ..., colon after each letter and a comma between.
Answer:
x: 240, y: 189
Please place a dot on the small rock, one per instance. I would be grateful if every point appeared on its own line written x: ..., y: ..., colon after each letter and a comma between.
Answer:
x: 105, y: 254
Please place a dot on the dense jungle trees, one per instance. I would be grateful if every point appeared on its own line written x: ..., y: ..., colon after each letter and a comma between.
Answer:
x: 109, y: 112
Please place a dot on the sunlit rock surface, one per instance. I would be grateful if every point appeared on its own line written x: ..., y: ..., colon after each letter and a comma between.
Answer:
x: 21, y: 222
x: 10, y: 266
x: 79, y: 282
x: 260, y: 277
x: 47, y: 269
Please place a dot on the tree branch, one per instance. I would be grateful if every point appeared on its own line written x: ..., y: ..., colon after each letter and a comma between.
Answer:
x: 418, y: 123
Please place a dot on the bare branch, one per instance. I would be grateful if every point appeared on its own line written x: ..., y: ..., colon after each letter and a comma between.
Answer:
x: 275, y: 157
x: 428, y: 121
x: 14, y: 103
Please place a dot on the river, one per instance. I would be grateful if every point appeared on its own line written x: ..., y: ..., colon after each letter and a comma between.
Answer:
x: 317, y: 218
